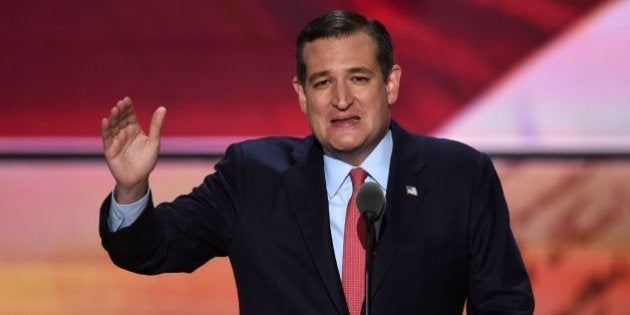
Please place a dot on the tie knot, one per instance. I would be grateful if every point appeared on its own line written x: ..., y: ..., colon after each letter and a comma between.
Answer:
x: 357, y: 176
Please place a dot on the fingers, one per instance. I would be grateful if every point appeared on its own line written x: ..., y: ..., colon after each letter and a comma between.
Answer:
x: 156, y: 123
x: 120, y: 116
x: 122, y: 121
x: 104, y: 127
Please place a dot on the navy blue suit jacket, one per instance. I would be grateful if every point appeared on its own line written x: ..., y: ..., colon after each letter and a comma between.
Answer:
x: 266, y: 208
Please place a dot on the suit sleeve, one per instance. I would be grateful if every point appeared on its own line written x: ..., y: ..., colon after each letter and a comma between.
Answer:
x: 181, y: 235
x: 498, y: 281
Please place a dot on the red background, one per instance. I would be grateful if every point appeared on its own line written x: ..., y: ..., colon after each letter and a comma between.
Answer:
x: 225, y: 67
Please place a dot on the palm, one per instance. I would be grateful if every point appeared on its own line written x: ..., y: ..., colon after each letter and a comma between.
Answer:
x: 130, y: 154
x: 132, y: 159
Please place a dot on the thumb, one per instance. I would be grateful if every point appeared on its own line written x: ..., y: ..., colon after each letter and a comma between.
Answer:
x: 156, y: 123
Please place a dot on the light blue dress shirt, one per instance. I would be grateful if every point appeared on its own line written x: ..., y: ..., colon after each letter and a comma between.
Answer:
x: 338, y: 187
x: 123, y: 215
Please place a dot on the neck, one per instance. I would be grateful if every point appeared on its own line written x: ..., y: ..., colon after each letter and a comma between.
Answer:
x: 355, y: 157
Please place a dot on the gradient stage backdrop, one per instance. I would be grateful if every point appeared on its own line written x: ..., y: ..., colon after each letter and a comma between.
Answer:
x: 539, y: 84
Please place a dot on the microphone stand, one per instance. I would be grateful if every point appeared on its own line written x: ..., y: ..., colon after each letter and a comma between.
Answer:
x: 371, y: 204
x: 369, y: 258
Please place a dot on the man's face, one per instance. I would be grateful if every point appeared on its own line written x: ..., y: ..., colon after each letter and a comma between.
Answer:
x: 344, y: 96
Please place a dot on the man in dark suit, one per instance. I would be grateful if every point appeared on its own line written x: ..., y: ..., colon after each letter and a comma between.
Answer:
x: 283, y: 209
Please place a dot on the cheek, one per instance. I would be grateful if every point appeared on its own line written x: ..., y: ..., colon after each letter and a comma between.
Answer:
x: 316, y: 107
x: 316, y: 116
x: 373, y: 94
x: 303, y: 106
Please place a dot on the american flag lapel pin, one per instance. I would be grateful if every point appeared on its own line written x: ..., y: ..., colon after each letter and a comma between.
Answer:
x: 411, y: 190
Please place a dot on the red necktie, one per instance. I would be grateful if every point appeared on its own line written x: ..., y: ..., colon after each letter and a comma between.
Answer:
x: 353, y: 266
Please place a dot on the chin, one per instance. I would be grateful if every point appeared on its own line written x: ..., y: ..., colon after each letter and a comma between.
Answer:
x: 345, y: 147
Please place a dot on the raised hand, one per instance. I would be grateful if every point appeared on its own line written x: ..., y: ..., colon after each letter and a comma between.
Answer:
x: 131, y: 155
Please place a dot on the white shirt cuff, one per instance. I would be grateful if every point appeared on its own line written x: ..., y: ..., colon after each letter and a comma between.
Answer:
x: 124, y: 215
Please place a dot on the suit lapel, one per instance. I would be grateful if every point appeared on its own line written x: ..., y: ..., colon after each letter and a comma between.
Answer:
x: 405, y: 191
x: 305, y: 183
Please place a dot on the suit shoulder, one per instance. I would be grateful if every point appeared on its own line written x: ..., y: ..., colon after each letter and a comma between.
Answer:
x: 272, y: 146
x: 447, y: 153
x: 275, y: 152
x: 442, y: 146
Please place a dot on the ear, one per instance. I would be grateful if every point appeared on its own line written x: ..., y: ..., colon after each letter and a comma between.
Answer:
x: 299, y: 90
x: 393, y: 83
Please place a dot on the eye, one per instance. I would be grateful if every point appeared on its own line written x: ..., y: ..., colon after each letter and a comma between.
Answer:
x: 321, y: 84
x: 359, y: 79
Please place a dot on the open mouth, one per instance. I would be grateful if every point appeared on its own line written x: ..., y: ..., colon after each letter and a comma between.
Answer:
x: 344, y: 122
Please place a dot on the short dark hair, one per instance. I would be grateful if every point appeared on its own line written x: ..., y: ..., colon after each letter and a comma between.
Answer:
x: 340, y: 24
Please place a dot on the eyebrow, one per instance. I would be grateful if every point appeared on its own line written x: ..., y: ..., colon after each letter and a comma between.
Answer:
x: 360, y: 70
x: 355, y: 70
x: 317, y: 75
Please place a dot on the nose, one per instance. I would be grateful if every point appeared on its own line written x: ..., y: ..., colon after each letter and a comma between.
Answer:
x: 342, y: 98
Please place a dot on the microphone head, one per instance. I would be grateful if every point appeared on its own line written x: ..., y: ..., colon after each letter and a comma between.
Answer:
x: 370, y: 201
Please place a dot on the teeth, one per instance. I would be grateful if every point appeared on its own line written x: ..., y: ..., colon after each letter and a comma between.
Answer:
x: 345, y: 119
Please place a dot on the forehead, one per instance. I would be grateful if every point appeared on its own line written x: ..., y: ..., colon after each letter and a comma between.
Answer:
x: 330, y: 53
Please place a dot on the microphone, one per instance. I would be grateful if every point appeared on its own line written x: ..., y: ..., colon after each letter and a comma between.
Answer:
x: 370, y: 201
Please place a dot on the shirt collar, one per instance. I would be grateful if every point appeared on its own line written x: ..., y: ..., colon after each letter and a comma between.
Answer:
x: 376, y: 165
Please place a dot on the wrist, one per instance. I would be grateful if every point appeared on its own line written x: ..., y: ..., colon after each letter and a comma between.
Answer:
x: 127, y: 195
